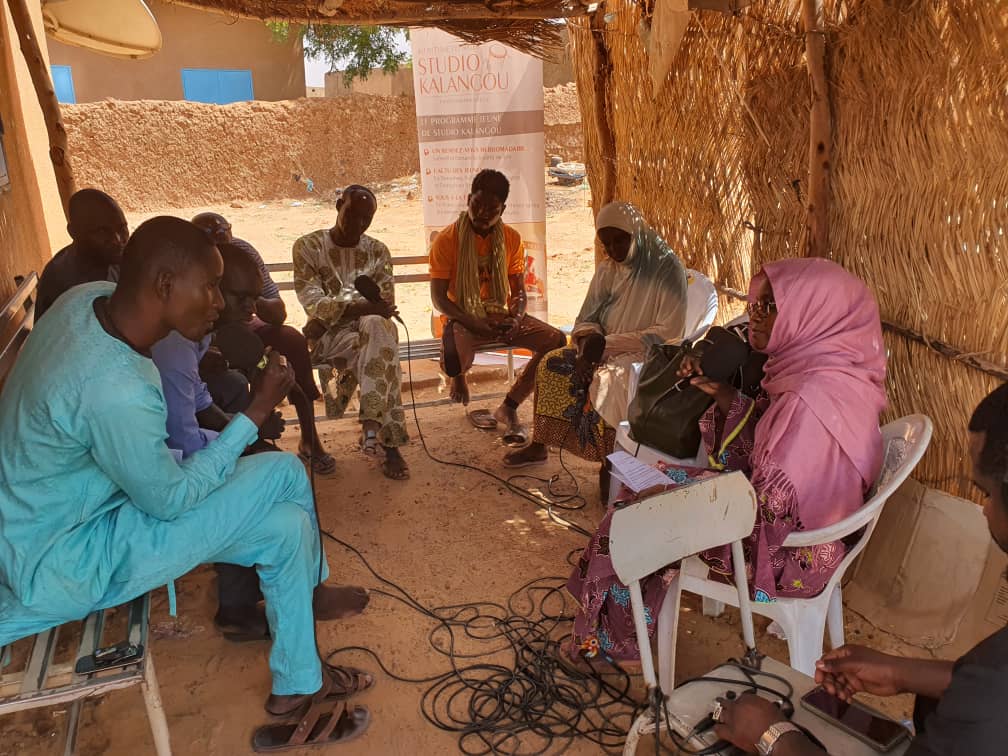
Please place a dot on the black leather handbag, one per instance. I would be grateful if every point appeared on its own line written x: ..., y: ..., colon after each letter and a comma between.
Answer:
x: 665, y: 412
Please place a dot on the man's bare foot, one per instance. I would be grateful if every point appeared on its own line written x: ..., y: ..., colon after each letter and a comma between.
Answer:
x: 459, y: 390
x: 515, y: 434
x: 506, y: 416
x: 394, y: 466
x: 335, y: 602
x: 281, y: 706
x: 338, y: 684
x: 533, y: 454
x: 322, y: 461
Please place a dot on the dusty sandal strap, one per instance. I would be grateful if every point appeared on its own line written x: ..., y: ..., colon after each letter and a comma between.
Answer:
x: 369, y: 443
x: 321, y: 726
x: 347, y: 682
x: 482, y: 419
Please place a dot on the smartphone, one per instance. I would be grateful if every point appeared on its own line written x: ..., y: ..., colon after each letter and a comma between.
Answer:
x: 875, y: 731
x: 109, y: 657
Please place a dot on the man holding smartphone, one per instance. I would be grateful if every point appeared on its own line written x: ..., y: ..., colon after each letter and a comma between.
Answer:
x: 477, y: 270
x: 961, y: 706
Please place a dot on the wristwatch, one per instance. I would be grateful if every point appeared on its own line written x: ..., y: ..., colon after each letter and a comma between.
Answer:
x: 767, y: 742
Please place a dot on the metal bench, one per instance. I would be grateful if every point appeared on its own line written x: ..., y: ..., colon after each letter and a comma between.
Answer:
x: 36, y: 672
x: 421, y: 349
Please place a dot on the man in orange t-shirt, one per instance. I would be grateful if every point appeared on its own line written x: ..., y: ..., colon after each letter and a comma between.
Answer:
x: 477, y: 268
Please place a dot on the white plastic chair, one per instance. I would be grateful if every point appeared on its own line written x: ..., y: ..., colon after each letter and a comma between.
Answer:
x: 905, y: 441
x: 662, y: 529
x: 701, y: 304
x: 701, y: 311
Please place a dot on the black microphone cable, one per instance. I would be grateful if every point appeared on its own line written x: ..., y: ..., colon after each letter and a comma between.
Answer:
x: 497, y: 708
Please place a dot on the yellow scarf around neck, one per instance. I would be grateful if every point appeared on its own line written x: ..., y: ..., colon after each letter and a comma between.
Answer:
x: 467, y: 280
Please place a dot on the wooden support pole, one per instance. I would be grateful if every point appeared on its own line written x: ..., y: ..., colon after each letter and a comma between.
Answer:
x: 947, y: 350
x: 42, y: 82
x: 606, y: 193
x: 414, y: 12
x: 820, y: 133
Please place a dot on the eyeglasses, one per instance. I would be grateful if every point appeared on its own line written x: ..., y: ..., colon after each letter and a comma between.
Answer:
x: 216, y: 229
x: 763, y: 308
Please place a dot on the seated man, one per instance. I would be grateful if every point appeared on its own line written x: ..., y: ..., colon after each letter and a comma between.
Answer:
x: 477, y: 268
x: 99, y: 232
x: 95, y: 510
x: 267, y: 322
x: 960, y: 705
x: 194, y: 420
x: 350, y: 333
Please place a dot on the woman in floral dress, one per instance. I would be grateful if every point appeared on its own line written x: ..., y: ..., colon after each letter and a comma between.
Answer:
x: 809, y: 443
x: 636, y: 298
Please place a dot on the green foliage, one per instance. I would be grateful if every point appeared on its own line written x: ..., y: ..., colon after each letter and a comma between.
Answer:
x: 355, y: 49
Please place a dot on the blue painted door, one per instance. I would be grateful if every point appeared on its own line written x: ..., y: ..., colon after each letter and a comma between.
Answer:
x: 62, y: 78
x: 217, y: 85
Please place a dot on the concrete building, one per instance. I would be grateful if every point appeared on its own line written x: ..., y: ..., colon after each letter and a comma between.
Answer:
x: 378, y: 83
x: 206, y: 57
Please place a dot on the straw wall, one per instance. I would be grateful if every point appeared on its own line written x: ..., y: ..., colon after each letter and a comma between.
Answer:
x: 718, y: 162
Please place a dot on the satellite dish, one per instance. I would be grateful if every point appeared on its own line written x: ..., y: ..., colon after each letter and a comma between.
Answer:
x: 122, y: 28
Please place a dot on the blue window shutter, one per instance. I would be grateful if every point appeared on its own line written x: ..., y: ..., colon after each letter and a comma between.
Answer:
x: 218, y: 86
x: 62, y: 78
x: 199, y: 84
x: 236, y: 86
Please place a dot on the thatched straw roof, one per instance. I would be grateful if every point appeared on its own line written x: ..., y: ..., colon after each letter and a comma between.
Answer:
x: 523, y: 24
x: 718, y: 163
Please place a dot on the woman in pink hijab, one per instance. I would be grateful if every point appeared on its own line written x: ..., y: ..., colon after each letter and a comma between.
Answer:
x: 809, y: 443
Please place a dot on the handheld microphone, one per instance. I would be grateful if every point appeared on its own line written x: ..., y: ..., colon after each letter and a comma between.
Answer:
x: 239, y: 346
x: 370, y: 291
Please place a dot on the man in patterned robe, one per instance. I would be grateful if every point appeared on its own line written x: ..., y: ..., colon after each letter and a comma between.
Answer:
x: 345, y: 330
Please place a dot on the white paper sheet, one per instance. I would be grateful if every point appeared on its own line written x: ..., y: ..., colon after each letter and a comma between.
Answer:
x: 634, y: 474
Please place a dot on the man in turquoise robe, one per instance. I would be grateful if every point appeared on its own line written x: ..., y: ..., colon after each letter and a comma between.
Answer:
x: 95, y: 510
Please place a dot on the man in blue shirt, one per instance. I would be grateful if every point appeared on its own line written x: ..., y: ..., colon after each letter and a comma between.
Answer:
x: 267, y: 321
x: 94, y: 509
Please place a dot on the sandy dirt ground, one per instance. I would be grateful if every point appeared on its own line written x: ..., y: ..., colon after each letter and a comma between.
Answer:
x: 447, y: 536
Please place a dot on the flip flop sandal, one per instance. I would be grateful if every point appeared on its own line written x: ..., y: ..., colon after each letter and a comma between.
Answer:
x: 347, y: 682
x: 322, y: 464
x: 482, y: 419
x: 342, y: 684
x: 513, y: 461
x: 369, y: 443
x: 516, y: 435
x: 320, y: 726
x: 598, y: 665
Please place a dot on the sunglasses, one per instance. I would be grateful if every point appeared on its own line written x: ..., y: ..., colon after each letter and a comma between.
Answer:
x: 763, y: 308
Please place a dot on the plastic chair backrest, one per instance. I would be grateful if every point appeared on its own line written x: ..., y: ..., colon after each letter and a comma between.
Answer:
x: 673, y: 525
x: 701, y: 304
x: 904, y: 443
